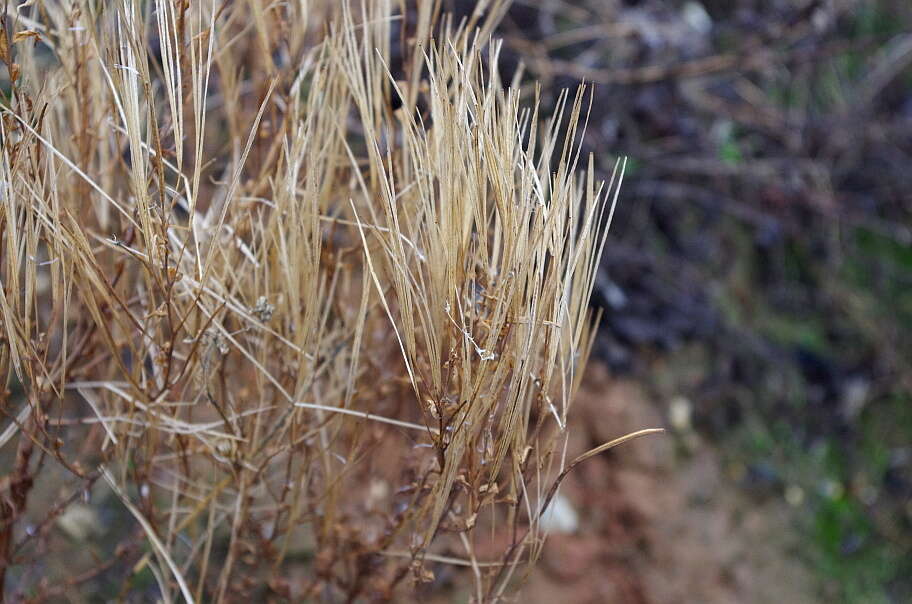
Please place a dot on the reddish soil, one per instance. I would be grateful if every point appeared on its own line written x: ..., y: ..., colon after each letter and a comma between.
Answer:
x: 660, y: 525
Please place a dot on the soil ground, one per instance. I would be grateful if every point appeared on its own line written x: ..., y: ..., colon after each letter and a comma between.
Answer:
x: 660, y: 520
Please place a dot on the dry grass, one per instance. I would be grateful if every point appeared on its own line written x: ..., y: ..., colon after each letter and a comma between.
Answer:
x: 277, y: 308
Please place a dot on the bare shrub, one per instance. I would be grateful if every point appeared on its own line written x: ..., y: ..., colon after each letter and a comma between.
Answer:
x: 286, y: 308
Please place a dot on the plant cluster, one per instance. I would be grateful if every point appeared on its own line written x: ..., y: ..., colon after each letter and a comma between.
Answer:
x: 296, y: 284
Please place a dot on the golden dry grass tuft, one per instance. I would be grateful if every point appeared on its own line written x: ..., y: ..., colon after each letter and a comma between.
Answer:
x: 288, y: 308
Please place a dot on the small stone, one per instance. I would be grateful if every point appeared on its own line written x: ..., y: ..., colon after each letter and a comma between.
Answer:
x: 832, y: 489
x: 794, y: 495
x: 560, y: 517
x: 80, y: 521
x: 854, y: 398
x: 679, y: 414
x: 695, y: 15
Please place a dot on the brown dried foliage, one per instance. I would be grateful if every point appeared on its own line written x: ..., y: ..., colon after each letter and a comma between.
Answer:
x: 275, y: 314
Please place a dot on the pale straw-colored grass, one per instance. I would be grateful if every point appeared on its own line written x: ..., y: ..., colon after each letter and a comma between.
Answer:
x: 282, y: 309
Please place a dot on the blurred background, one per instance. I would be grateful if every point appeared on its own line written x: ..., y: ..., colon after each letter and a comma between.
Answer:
x: 758, y: 291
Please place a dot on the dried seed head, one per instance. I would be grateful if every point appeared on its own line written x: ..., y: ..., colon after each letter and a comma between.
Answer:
x: 263, y: 310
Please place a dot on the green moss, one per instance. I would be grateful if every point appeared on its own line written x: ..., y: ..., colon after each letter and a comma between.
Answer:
x: 857, y: 566
x: 788, y: 330
x: 730, y: 152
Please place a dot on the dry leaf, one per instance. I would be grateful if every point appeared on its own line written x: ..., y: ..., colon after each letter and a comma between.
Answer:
x: 4, y: 44
x: 25, y: 34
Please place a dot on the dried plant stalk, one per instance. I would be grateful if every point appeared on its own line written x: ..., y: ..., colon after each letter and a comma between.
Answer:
x: 290, y: 290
